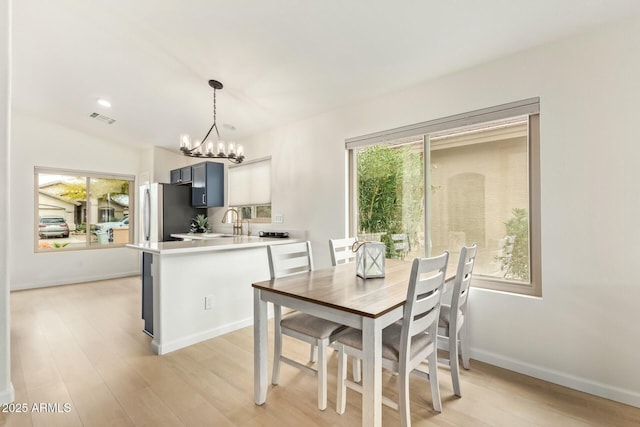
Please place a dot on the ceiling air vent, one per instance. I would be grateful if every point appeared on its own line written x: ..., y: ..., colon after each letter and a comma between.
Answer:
x: 102, y: 118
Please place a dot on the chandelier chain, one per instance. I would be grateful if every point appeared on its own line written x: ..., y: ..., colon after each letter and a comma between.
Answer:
x: 214, y: 111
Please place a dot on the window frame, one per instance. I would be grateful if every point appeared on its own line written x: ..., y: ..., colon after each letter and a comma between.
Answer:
x: 254, y: 219
x: 529, y: 107
x: 88, y: 175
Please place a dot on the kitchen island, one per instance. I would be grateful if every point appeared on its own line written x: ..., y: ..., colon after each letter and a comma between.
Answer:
x: 199, y: 289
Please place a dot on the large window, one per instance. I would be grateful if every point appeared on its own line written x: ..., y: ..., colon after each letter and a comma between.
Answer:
x: 79, y: 210
x: 440, y: 185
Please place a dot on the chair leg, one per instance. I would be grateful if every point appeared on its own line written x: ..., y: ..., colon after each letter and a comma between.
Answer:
x: 403, y: 396
x: 313, y: 351
x: 341, y: 399
x: 464, y: 346
x: 433, y: 381
x: 322, y: 373
x: 277, y: 343
x: 454, y: 364
x: 357, y: 371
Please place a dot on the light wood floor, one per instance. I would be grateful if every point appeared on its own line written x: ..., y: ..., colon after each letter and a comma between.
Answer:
x: 83, y: 345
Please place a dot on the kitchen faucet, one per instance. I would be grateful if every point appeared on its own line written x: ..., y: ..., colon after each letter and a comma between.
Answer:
x: 248, y: 225
x: 237, y: 226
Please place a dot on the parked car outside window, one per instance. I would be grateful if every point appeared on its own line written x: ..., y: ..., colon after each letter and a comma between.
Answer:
x: 53, y: 226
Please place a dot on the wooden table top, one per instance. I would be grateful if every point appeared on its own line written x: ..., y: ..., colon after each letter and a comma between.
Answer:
x: 339, y: 287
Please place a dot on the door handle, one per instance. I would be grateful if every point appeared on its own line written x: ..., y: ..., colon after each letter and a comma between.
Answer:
x: 203, y: 197
x: 146, y: 217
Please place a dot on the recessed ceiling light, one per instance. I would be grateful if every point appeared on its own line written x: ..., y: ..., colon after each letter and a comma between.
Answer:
x: 104, y: 103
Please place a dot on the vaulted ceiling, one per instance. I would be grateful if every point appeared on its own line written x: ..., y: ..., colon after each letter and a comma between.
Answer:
x: 279, y: 60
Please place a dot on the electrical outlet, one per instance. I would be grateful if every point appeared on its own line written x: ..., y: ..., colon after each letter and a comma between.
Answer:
x: 278, y: 218
x: 208, y: 302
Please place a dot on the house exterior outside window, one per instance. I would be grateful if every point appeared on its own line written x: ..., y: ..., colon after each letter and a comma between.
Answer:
x: 81, y: 210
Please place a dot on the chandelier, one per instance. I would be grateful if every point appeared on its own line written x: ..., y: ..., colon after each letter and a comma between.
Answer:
x: 207, y: 148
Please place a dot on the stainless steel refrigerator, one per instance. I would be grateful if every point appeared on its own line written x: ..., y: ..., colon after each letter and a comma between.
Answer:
x: 165, y: 209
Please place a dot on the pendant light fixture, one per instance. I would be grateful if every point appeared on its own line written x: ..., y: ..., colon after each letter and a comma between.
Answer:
x: 208, y: 148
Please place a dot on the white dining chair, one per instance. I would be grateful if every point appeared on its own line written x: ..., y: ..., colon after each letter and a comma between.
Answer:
x: 342, y: 253
x: 284, y: 260
x: 453, y: 328
x: 341, y: 250
x: 404, y: 345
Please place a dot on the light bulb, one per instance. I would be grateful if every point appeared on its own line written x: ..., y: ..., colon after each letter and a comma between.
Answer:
x: 184, y: 141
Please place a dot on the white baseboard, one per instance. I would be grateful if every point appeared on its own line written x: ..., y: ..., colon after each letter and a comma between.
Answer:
x: 7, y: 395
x: 72, y: 280
x: 606, y: 391
x: 199, y: 337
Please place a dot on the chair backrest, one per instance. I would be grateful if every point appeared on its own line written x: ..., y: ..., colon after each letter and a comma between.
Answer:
x: 289, y: 258
x: 422, y: 309
x: 459, y: 297
x: 341, y: 252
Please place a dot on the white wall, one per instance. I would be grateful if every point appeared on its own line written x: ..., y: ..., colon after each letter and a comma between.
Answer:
x: 165, y: 160
x: 39, y: 143
x: 583, y: 331
x: 6, y: 389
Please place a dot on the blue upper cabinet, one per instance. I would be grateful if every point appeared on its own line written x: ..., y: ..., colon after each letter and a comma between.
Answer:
x: 181, y: 176
x: 207, y: 184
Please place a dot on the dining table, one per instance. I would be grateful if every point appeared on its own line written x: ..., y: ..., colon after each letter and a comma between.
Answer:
x: 337, y: 294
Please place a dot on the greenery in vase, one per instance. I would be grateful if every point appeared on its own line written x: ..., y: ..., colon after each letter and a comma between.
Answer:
x: 199, y: 224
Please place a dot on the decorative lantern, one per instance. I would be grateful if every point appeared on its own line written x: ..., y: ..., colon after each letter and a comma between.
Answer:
x: 369, y: 259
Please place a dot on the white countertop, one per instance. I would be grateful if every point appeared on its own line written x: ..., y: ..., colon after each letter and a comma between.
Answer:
x: 207, y: 244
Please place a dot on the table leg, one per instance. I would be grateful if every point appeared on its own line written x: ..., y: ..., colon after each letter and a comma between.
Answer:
x: 371, y: 373
x: 260, y: 355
